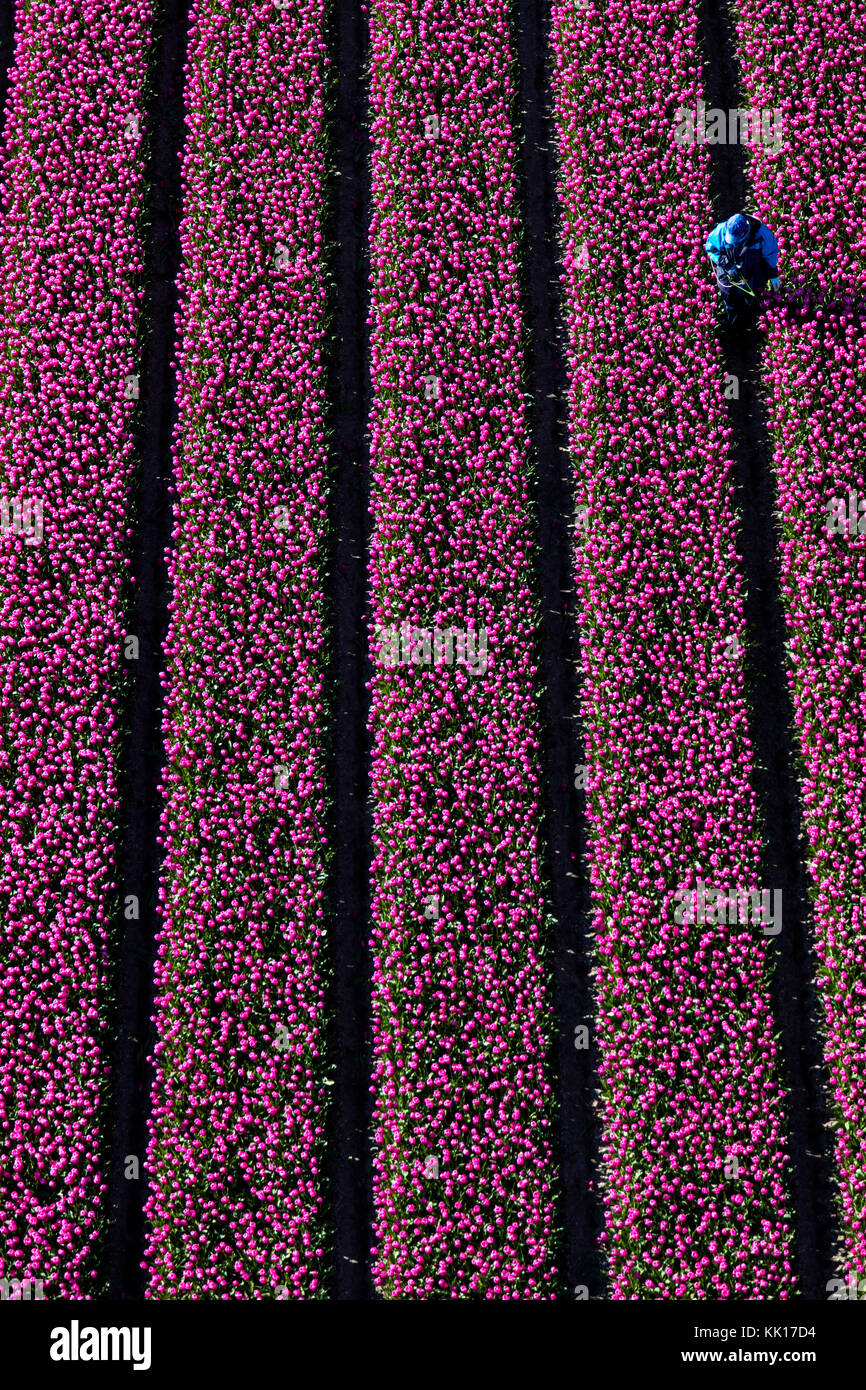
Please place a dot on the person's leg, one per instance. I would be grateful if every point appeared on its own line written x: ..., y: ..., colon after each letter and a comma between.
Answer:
x: 739, y: 308
x: 751, y: 304
x: 724, y: 295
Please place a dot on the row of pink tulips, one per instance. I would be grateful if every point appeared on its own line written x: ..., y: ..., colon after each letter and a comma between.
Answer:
x: 70, y: 256
x: 808, y: 63
x: 692, y: 1108
x: 463, y: 1172
x: 237, y: 1192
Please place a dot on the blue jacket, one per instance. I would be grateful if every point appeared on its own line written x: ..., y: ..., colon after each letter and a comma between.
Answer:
x: 759, y: 254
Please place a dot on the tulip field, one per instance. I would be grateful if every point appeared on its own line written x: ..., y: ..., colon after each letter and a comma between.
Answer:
x: 310, y: 987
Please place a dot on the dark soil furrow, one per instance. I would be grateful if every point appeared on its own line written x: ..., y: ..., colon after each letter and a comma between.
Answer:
x: 142, y: 766
x: 351, y: 1154
x: 558, y: 649
x: 7, y: 53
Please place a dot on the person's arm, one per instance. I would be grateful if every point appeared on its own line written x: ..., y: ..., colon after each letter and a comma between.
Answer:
x: 713, y: 243
x: 770, y: 252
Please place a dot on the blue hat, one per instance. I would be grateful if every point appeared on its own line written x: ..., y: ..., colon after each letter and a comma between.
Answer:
x: 736, y: 229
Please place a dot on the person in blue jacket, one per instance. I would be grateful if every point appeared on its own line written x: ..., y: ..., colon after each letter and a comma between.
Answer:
x: 745, y: 255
